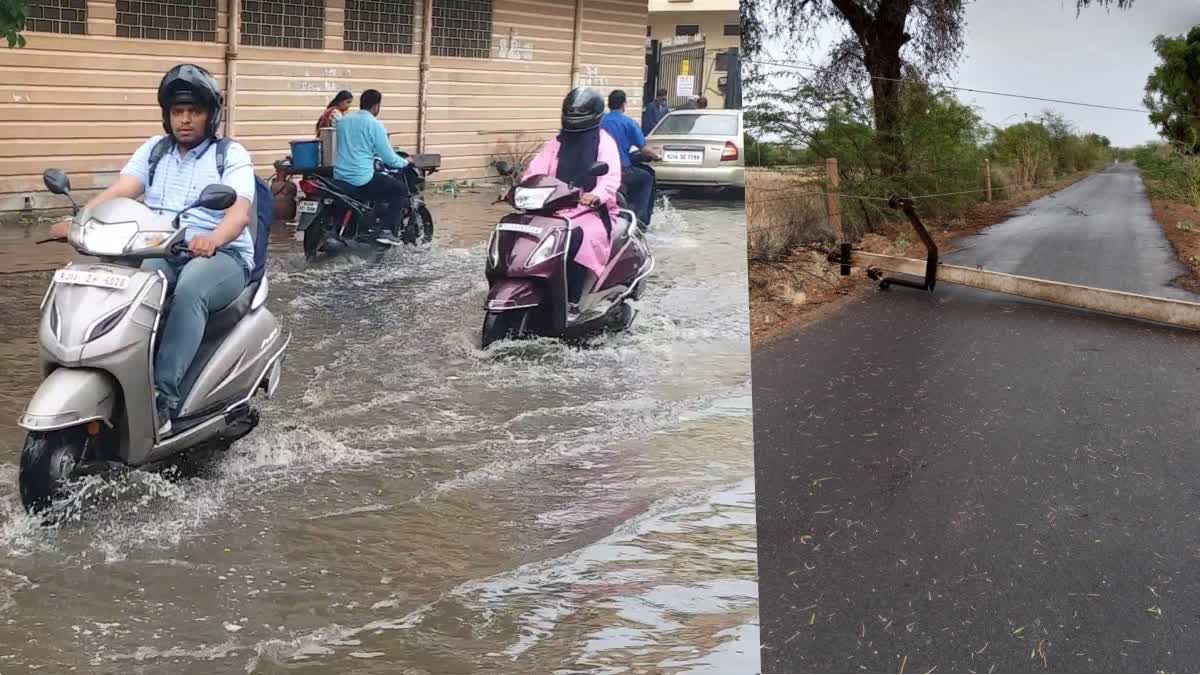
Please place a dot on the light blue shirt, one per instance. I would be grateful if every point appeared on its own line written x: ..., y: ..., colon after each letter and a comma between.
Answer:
x: 178, y: 182
x: 360, y: 139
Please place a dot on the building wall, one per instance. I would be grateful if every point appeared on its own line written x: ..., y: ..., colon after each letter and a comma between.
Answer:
x: 712, y: 25
x: 83, y: 103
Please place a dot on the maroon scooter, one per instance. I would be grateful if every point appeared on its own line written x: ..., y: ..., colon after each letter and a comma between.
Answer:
x: 527, y: 266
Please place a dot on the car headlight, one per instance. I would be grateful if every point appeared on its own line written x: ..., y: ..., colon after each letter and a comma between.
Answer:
x: 531, y: 199
x: 544, y: 251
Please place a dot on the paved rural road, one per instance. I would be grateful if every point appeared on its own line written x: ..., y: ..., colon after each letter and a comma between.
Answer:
x: 971, y: 482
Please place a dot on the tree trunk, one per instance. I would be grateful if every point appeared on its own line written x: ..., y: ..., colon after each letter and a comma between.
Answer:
x: 881, y: 45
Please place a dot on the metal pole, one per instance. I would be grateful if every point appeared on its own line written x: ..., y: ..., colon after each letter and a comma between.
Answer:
x: 423, y: 85
x: 577, y: 46
x: 233, y: 33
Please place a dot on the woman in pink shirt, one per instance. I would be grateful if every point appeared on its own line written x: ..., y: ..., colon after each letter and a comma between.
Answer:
x: 568, y: 157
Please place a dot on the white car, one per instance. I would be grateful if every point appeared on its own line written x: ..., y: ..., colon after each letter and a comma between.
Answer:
x: 702, y: 148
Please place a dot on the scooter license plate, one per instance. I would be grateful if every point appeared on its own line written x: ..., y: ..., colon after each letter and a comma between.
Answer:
x: 532, y: 230
x: 308, y: 206
x: 97, y: 279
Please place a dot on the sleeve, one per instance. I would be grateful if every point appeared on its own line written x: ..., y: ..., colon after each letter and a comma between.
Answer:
x: 239, y: 171
x: 542, y: 163
x: 608, y: 184
x: 138, y: 165
x: 639, y: 138
x: 383, y: 149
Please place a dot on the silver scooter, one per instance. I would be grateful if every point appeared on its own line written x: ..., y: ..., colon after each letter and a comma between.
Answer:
x: 94, y: 410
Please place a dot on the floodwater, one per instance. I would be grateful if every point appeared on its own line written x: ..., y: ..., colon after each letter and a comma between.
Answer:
x: 412, y: 504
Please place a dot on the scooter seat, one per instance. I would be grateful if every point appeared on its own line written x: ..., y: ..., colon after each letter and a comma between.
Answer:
x: 223, y: 320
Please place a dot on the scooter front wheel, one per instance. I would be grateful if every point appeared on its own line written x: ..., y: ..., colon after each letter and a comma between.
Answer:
x: 47, y: 462
x: 499, y: 326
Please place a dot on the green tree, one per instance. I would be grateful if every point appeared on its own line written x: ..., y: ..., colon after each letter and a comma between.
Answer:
x: 12, y: 21
x: 1173, y: 89
x: 888, y: 40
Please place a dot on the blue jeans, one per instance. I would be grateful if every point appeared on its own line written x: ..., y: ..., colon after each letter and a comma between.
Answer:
x: 200, y: 286
x: 639, y: 188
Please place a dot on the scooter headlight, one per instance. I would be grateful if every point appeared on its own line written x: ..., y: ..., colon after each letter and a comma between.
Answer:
x: 494, y: 251
x: 106, y: 323
x: 531, y: 199
x: 544, y: 251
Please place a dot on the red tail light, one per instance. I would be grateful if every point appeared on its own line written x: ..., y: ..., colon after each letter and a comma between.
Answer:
x: 730, y: 154
x: 308, y: 187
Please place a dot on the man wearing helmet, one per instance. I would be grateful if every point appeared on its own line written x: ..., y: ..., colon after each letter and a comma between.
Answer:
x: 568, y: 157
x: 222, y: 252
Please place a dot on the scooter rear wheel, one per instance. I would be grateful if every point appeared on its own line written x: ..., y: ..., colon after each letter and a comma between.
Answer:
x: 47, y: 461
x: 499, y: 326
x: 314, y: 236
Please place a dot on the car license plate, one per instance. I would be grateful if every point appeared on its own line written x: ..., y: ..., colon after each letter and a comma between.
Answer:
x: 518, y: 227
x: 97, y: 279
x: 684, y: 156
x: 308, y: 206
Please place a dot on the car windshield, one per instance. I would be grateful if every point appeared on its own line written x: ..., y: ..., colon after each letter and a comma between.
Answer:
x: 697, y: 124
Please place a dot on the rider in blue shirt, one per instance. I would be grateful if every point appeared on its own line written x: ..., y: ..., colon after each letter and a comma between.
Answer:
x: 638, y: 183
x: 360, y: 139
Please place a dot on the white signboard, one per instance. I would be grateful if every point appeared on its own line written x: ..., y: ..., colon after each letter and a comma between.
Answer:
x: 685, y: 85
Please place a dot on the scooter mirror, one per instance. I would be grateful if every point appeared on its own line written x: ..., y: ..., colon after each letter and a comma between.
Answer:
x: 503, y: 168
x: 56, y: 181
x: 217, y: 197
x: 598, y: 169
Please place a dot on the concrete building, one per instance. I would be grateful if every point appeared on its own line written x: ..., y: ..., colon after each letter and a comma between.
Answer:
x: 492, y: 73
x: 715, y: 23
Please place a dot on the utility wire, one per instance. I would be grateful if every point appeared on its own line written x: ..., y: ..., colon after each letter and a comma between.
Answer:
x: 800, y: 66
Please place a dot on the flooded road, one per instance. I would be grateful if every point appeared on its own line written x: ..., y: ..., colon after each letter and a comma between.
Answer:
x: 412, y: 504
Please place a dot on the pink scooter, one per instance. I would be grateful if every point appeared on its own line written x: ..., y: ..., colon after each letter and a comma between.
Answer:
x: 527, y: 266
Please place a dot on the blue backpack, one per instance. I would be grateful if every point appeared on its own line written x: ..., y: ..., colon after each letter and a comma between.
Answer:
x: 264, y: 205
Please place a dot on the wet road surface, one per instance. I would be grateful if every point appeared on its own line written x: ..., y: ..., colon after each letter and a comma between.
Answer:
x: 973, y: 482
x: 413, y: 504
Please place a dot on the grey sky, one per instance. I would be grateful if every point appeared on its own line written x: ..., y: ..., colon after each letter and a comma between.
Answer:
x: 1039, y: 48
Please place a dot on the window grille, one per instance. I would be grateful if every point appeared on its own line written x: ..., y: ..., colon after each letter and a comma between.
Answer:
x: 379, y: 26
x: 191, y: 20
x: 297, y: 24
x: 462, y: 28
x: 57, y: 16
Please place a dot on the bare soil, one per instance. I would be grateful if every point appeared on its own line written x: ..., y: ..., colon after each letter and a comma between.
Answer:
x: 1181, y: 223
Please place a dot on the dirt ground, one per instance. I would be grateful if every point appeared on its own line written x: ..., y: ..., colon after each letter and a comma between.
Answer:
x: 805, y: 287
x: 1181, y: 224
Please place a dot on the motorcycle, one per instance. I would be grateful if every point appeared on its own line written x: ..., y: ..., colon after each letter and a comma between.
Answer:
x: 94, y: 413
x: 527, y: 266
x: 332, y: 211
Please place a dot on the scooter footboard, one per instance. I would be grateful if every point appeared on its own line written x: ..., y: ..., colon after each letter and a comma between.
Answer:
x: 508, y: 294
x: 69, y: 397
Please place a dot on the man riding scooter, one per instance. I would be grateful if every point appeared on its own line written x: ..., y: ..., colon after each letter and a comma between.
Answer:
x: 638, y: 183
x: 361, y: 138
x: 222, y: 252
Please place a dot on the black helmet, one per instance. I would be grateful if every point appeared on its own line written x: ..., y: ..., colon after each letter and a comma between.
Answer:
x: 187, y: 83
x: 582, y: 110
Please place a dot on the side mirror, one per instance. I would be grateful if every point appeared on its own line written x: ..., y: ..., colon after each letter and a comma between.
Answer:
x: 56, y: 181
x: 598, y: 169
x: 503, y: 168
x: 216, y: 197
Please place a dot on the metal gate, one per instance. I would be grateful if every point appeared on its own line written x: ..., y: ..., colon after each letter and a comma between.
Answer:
x: 681, y: 69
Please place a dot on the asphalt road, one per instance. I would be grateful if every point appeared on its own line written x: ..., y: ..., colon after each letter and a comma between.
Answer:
x: 970, y: 482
